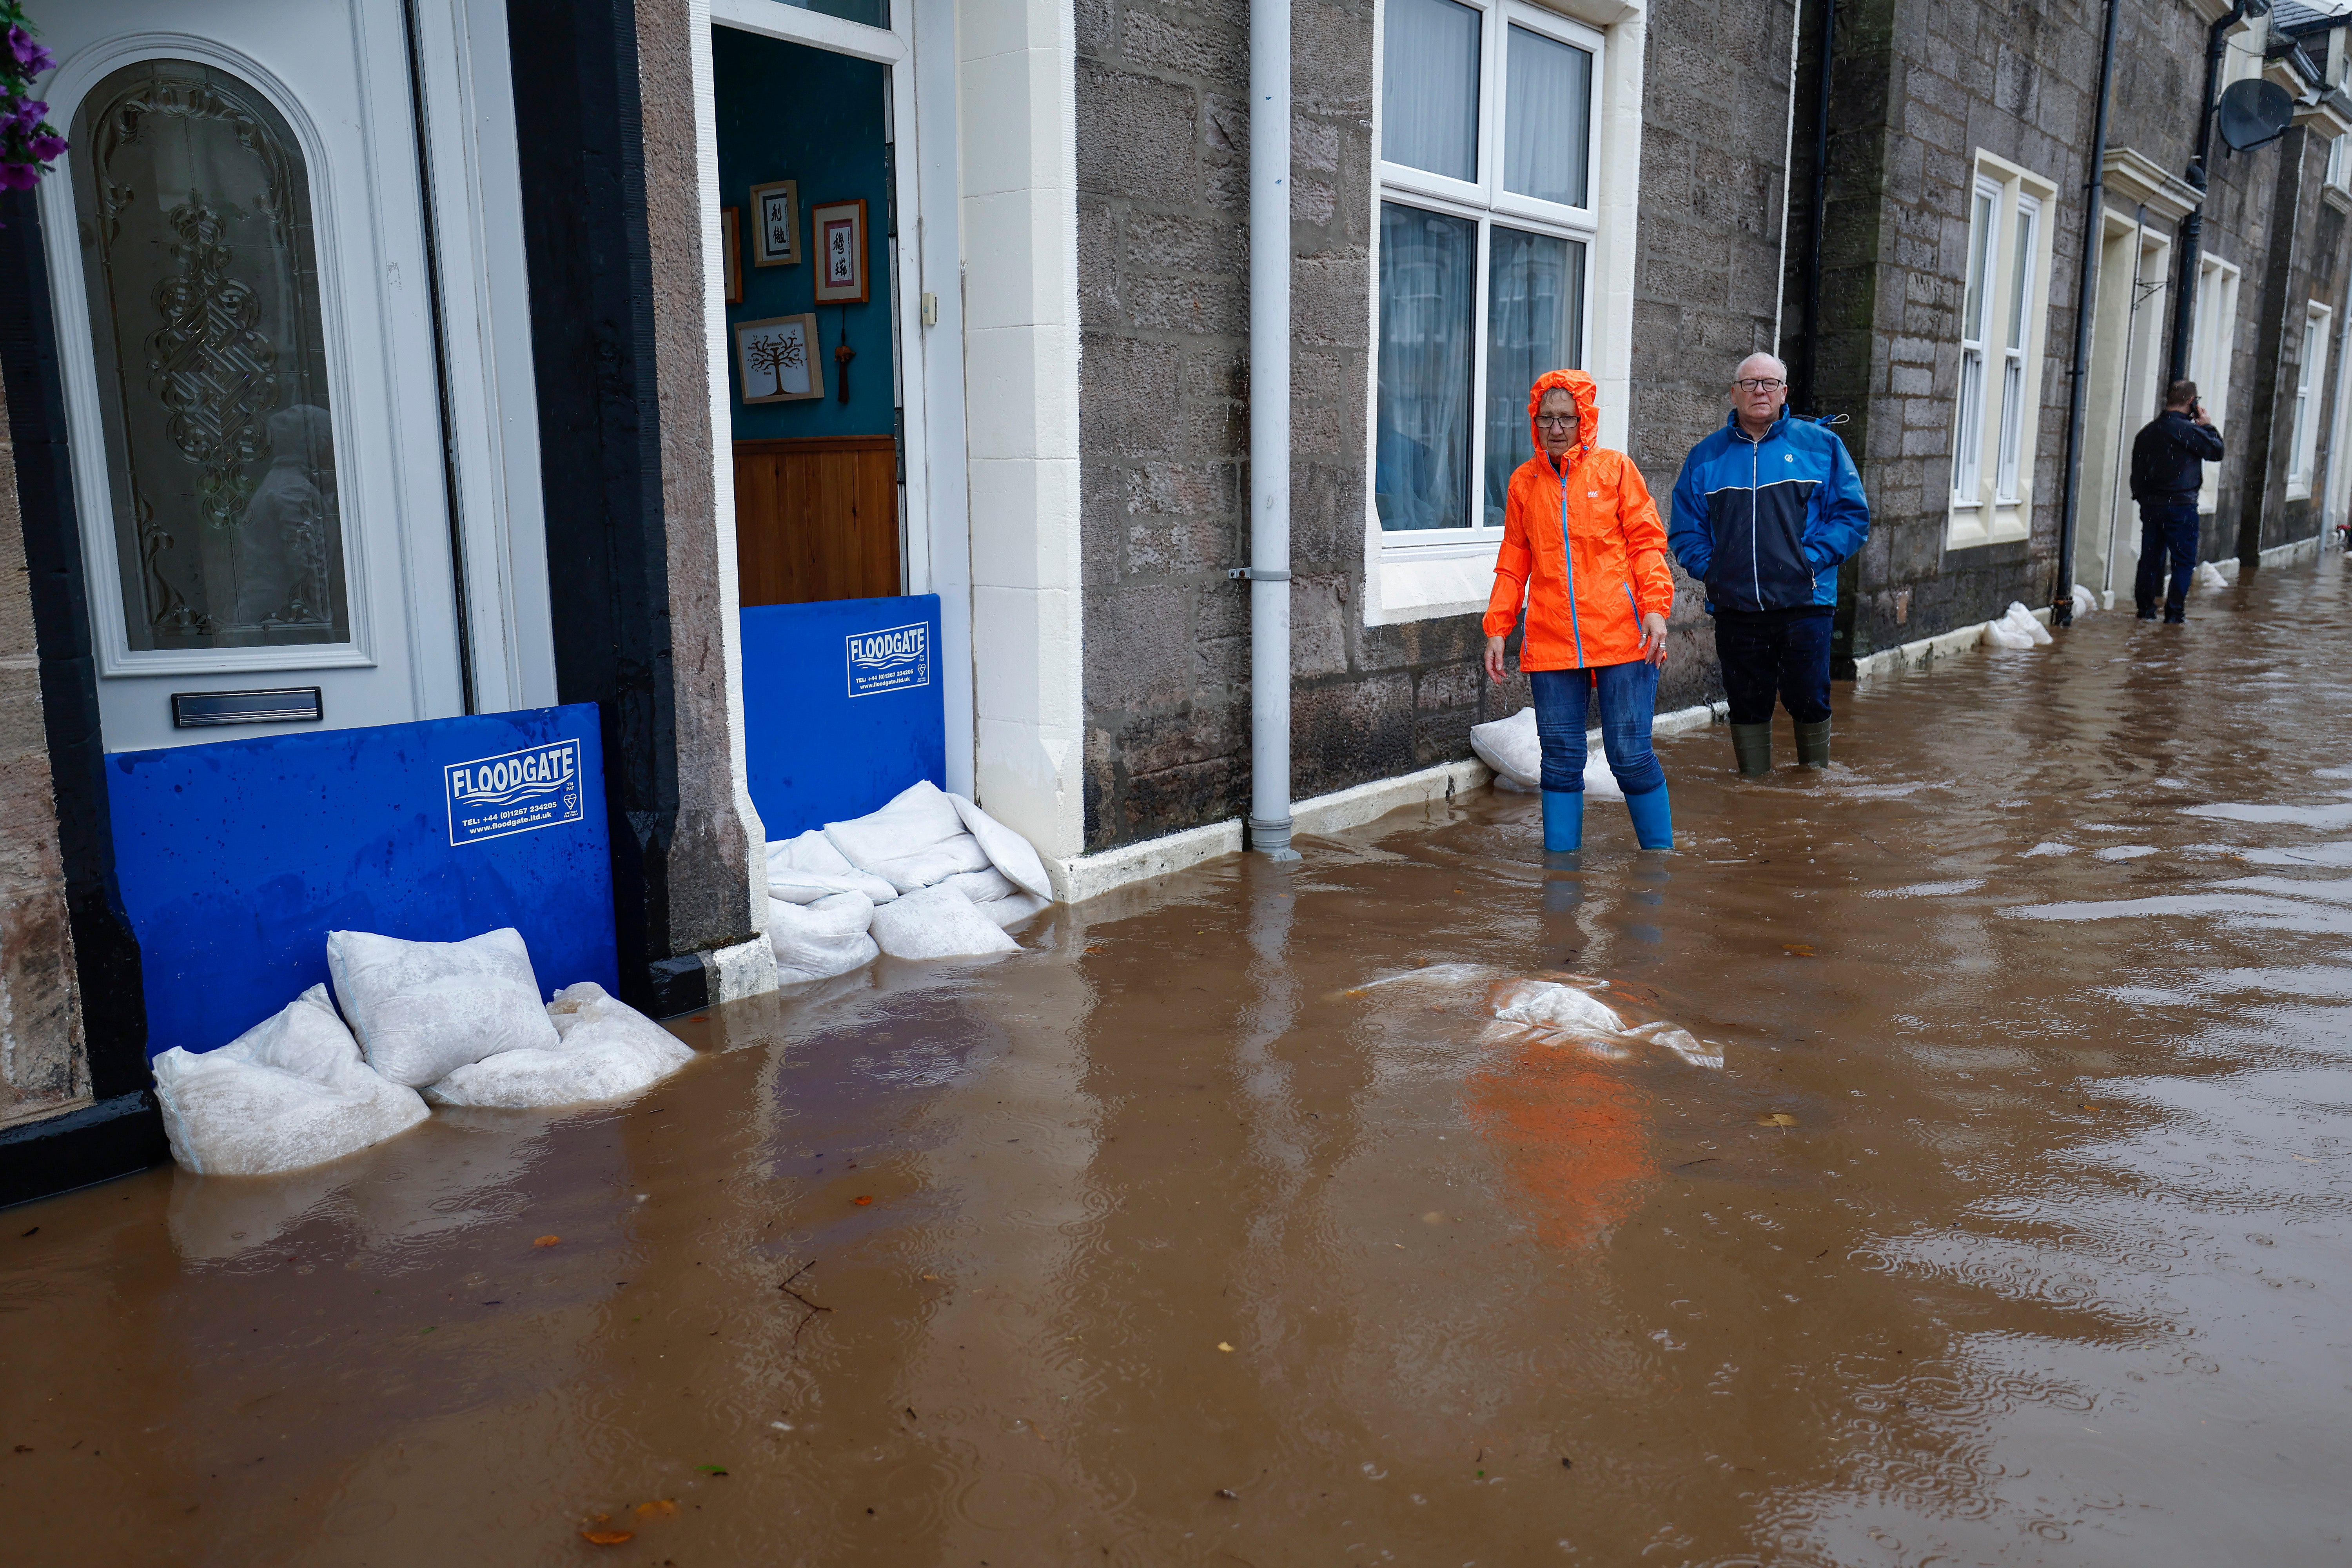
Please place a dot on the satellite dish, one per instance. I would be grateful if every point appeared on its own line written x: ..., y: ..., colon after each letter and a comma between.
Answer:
x: 2254, y: 113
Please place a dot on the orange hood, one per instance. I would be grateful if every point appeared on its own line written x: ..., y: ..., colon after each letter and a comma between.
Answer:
x: 1581, y: 386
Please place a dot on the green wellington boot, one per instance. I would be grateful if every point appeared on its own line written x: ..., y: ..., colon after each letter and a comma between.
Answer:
x: 1751, y: 745
x: 1813, y: 745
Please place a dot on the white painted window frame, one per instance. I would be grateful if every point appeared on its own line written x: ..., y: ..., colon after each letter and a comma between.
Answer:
x: 2340, y: 162
x: 1485, y: 202
x: 2018, y: 403
x: 2213, y: 341
x: 1978, y: 513
x: 2310, y: 376
x: 1423, y: 577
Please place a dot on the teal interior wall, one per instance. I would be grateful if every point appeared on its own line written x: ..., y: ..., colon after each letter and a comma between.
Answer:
x: 790, y: 112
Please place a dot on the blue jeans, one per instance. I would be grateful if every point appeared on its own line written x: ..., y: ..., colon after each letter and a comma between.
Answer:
x: 1787, y: 656
x: 1629, y: 696
x: 2165, y: 529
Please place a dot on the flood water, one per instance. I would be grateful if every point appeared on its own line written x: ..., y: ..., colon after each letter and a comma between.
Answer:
x: 2012, y: 1228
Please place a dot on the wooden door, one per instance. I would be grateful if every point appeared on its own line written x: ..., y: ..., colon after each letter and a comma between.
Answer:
x: 816, y: 518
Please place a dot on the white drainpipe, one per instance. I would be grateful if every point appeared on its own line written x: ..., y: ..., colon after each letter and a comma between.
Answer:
x: 1269, y: 571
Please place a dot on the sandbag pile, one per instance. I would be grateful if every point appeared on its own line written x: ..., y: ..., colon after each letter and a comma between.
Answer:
x: 2016, y: 628
x: 460, y: 1020
x: 931, y: 874
x: 1512, y: 748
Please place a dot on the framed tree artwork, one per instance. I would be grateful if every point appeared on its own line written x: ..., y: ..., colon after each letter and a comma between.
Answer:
x: 778, y: 359
x: 841, y: 272
x: 776, y: 223
x: 730, y: 237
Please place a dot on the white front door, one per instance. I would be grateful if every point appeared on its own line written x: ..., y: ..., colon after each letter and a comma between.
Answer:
x: 236, y: 247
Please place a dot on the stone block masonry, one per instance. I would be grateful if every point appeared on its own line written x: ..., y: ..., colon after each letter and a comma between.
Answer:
x: 1162, y: 161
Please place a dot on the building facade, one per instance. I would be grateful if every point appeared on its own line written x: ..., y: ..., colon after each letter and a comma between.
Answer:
x: 628, y: 352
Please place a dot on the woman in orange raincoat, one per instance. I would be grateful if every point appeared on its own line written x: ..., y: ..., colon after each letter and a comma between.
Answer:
x: 1583, y: 548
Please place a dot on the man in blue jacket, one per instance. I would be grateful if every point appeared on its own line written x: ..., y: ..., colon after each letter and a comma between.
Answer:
x: 2168, y: 469
x: 1764, y: 511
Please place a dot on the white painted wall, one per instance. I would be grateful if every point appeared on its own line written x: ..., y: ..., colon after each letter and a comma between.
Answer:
x: 1016, y: 80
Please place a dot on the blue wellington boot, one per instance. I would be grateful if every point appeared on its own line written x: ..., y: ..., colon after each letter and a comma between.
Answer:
x: 1654, y: 818
x: 1563, y: 817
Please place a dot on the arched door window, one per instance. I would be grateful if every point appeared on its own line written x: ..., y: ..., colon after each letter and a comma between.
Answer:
x: 202, y: 270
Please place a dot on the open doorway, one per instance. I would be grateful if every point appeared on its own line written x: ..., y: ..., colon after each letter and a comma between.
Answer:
x: 807, y: 176
x: 2126, y: 367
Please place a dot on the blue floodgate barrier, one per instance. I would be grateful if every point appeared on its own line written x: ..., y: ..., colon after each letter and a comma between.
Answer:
x: 841, y: 707
x: 237, y: 859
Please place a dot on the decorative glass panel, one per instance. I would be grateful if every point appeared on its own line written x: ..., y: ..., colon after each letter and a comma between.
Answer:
x: 1535, y: 322
x: 1429, y: 87
x: 1428, y: 294
x: 1547, y: 102
x: 203, y: 281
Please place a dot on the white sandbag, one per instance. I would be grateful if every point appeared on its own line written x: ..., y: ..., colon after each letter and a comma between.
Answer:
x: 2020, y: 619
x: 1007, y: 850
x: 2210, y: 575
x: 605, y: 1048
x: 2002, y: 633
x: 804, y: 870
x: 1514, y: 750
x: 938, y: 922
x: 1011, y: 912
x: 1553, y: 1007
x: 1509, y: 747
x: 934, y: 864
x: 2085, y: 601
x: 916, y: 819
x: 981, y: 886
x: 1693, y: 1050
x: 827, y: 937
x: 290, y: 1092
x: 421, y: 1010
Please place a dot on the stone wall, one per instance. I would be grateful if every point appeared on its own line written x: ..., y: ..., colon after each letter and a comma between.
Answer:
x: 43, y: 1066
x: 1919, y: 88
x: 1707, y: 288
x: 1162, y: 151
x: 1163, y: 268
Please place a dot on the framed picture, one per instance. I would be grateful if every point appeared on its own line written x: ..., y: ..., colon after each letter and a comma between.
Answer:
x: 776, y: 223
x: 839, y: 228
x: 731, y: 235
x: 779, y: 360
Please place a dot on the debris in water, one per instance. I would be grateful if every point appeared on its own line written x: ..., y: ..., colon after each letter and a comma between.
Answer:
x: 864, y: 1200
x: 1776, y: 1119
x: 547, y: 1241
x: 712, y: 1469
x: 660, y: 1508
x: 1222, y: 1346
x: 1228, y: 1494
x: 1798, y: 949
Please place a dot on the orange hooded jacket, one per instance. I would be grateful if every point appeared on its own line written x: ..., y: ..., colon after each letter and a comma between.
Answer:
x: 1590, y: 563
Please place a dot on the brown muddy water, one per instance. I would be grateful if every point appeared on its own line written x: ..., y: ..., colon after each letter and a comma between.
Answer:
x: 2010, y: 1229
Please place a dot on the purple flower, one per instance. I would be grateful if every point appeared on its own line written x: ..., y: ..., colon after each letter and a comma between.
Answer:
x: 29, y: 112
x: 31, y: 57
x: 18, y: 176
x: 47, y: 149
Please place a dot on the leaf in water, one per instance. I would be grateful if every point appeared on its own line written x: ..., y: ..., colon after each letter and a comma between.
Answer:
x: 1222, y: 1346
x: 547, y: 1241
x: 1798, y: 949
x: 1776, y: 1119
x: 601, y: 1537
x: 863, y: 1201
x: 712, y: 1470
x: 660, y: 1508
x: 428, y: 1329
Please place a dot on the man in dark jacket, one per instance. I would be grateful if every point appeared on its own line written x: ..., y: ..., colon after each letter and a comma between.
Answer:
x: 2167, y: 469
x: 1764, y: 510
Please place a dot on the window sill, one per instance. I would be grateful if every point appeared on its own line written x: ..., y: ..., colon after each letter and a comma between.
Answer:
x: 1431, y: 582
x: 2298, y: 490
x: 1973, y: 527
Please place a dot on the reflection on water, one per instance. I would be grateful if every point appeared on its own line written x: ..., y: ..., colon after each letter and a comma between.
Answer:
x: 1948, y: 1164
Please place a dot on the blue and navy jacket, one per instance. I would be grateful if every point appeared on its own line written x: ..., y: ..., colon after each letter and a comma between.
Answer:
x: 1765, y: 523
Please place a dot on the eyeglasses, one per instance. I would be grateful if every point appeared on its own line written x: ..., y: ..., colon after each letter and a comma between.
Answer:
x: 1560, y: 420
x: 1759, y: 383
